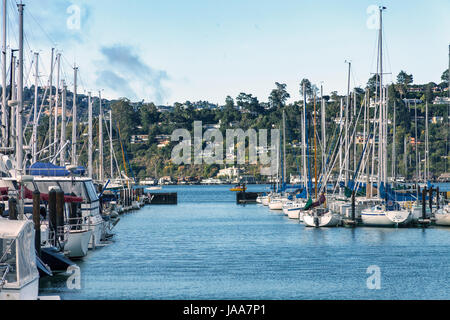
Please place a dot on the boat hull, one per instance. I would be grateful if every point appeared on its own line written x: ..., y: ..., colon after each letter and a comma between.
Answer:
x: 97, y: 234
x: 276, y: 206
x: 55, y: 260
x: 442, y: 219
x: 28, y: 292
x: 327, y: 220
x: 77, y: 245
x: 385, y: 218
x: 294, y: 214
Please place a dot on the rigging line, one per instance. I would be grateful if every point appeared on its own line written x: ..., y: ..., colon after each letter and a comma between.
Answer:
x: 109, y: 136
x: 68, y: 64
x: 388, y: 58
x: 347, y: 151
x: 15, y: 37
x: 12, y: 21
x: 52, y: 42
x: 374, y: 53
x: 333, y: 153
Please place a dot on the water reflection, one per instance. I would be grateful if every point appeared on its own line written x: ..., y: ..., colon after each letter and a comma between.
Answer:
x: 204, y: 249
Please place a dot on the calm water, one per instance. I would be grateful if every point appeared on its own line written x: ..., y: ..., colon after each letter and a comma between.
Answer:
x: 208, y: 247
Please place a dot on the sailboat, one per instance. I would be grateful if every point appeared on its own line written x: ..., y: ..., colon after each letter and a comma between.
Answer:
x: 278, y: 199
x: 442, y: 216
x: 389, y: 213
x: 316, y: 215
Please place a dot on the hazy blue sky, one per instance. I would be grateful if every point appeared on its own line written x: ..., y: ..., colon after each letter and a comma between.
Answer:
x: 177, y: 50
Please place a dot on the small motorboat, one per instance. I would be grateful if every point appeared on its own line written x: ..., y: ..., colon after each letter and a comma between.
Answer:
x: 239, y: 188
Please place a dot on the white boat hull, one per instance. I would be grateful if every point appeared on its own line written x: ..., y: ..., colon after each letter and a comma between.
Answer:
x: 327, y: 220
x: 385, y: 218
x: 277, y: 205
x: 77, y: 245
x: 97, y: 234
x: 294, y: 214
x: 28, y: 292
x: 442, y: 219
x: 135, y: 205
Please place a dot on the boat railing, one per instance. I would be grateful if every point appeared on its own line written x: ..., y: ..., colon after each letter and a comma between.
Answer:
x: 79, y: 223
x: 4, y: 270
x: 59, y: 237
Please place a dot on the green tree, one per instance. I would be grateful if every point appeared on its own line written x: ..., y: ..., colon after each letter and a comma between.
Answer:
x: 278, y: 96
x: 373, y: 84
x: 149, y: 115
x: 126, y: 117
x: 249, y: 103
x: 404, y: 78
x: 229, y: 102
x: 444, y: 76
x: 403, y: 81
x: 308, y: 88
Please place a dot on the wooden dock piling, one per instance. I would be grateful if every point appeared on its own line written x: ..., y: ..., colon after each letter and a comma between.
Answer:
x: 52, y: 211
x: 12, y: 209
x: 424, y: 221
x: 59, y: 211
x: 37, y: 221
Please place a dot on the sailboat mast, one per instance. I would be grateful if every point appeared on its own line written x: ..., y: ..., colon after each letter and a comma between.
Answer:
x: 305, y: 166
x: 100, y: 138
x: 4, y: 102
x: 394, y: 144
x: 36, y: 91
x: 90, y: 168
x: 12, y: 112
x: 427, y: 159
x: 278, y: 162
x: 346, y: 123
x: 111, y: 150
x: 385, y: 135
x: 50, y: 109
x: 19, y: 133
x: 63, y: 124
x: 341, y: 142
x: 315, y: 150
x: 415, y: 146
x: 284, y: 146
x: 324, y: 133
x: 58, y: 71
x: 74, y: 118
x: 367, y: 136
x: 355, y: 162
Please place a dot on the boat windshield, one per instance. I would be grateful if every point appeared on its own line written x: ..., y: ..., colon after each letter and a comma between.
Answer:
x: 91, y: 191
x: 46, y: 186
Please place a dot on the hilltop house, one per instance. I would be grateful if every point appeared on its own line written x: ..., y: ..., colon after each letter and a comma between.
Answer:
x: 139, y: 139
x: 163, y: 140
x: 441, y: 100
x: 229, y: 172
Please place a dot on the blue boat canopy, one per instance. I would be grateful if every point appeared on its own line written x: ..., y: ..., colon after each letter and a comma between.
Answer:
x: 51, y: 170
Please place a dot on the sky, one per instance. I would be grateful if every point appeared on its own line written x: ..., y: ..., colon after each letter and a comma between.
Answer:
x: 176, y: 50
